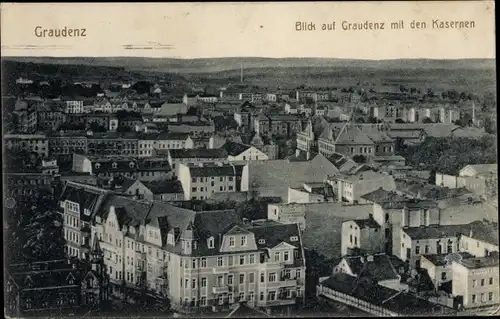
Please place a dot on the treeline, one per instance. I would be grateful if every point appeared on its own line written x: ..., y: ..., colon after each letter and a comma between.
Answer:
x: 449, y: 155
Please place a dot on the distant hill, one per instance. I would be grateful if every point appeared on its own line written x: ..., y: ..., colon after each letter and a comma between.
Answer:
x: 205, y: 65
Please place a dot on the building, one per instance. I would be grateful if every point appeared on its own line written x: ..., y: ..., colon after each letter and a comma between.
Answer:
x: 65, y: 286
x: 201, y: 260
x: 439, y: 268
x: 194, y: 128
x: 351, y: 187
x: 195, y: 155
x: 309, y: 193
x: 73, y: 106
x: 475, y: 282
x: 144, y: 169
x: 112, y: 143
x: 63, y: 144
x: 242, y: 152
x: 287, y: 214
x: 277, y: 124
x: 361, y: 234
x: 149, y: 143
x: 155, y: 190
x: 201, y: 180
x: 35, y: 143
x: 481, y: 179
x: 27, y: 182
x: 306, y: 140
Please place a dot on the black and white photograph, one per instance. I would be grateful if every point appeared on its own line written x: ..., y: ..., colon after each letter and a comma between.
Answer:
x: 165, y: 180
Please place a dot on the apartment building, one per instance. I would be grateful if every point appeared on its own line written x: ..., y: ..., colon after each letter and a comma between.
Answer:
x: 63, y: 144
x: 201, y: 260
x: 195, y: 155
x: 148, y: 143
x: 36, y: 143
x: 475, y: 282
x: 277, y: 124
x: 361, y: 234
x: 112, y: 143
x: 201, y: 180
x: 74, y: 107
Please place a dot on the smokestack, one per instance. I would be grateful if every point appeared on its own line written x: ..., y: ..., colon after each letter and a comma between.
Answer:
x: 241, y: 74
x: 473, y: 113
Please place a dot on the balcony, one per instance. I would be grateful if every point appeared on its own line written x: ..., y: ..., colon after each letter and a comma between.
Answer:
x: 220, y: 289
x: 220, y: 270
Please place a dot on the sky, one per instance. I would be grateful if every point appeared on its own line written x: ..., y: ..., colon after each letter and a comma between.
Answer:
x: 207, y: 30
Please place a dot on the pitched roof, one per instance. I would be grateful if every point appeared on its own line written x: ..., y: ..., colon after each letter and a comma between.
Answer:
x: 129, y: 212
x: 208, y: 170
x: 242, y: 310
x: 88, y: 197
x: 234, y: 149
x: 436, y: 232
x: 164, y: 187
x: 483, y: 168
x: 366, y: 223
x: 441, y: 259
x: 380, y: 269
x: 351, y: 134
x: 394, y: 200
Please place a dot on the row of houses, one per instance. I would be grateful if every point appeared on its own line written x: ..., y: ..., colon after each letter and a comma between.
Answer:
x: 201, y: 260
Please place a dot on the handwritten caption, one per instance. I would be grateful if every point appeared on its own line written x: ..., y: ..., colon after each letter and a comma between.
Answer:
x: 384, y: 25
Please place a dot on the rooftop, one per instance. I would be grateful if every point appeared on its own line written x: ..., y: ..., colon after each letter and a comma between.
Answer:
x: 198, y: 153
x: 443, y: 259
x: 482, y: 262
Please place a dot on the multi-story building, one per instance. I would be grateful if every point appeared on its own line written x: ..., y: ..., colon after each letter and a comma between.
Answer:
x: 64, y: 286
x: 62, y: 145
x: 361, y: 234
x: 192, y: 128
x: 475, y: 282
x: 150, y: 143
x: 201, y: 260
x: 36, y: 143
x: 112, y: 143
x: 74, y: 107
x: 107, y: 121
x: 349, y: 140
x: 196, y: 155
x: 306, y: 140
x: 144, y: 169
x: 277, y: 124
x: 201, y: 180
x: 27, y: 182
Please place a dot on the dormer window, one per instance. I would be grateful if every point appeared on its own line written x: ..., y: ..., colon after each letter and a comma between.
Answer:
x: 294, y: 238
x: 262, y: 241
x: 114, y: 165
x: 211, y: 242
x: 131, y: 164
x: 97, y: 165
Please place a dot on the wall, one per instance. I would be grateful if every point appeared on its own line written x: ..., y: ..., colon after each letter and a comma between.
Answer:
x: 81, y: 164
x: 476, y: 247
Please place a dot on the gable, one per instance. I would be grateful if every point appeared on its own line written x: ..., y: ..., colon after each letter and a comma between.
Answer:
x: 283, y: 245
x: 238, y: 230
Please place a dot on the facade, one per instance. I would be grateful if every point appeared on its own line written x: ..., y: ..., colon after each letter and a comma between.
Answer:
x: 74, y: 107
x: 148, y: 143
x: 363, y: 234
x: 277, y: 124
x: 475, y: 282
x: 195, y: 155
x: 288, y: 214
x: 306, y: 140
x: 100, y: 144
x: 156, y: 190
x: 36, y: 143
x: 201, y: 180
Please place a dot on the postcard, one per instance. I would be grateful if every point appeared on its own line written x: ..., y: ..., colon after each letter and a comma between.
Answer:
x: 268, y: 159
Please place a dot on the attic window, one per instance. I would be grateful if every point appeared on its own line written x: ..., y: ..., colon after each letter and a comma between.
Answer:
x: 97, y: 165
x: 262, y: 241
x: 114, y: 165
x: 294, y: 238
x: 131, y: 164
x: 211, y: 242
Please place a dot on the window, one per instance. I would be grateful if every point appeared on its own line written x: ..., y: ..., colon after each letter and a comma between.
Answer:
x: 294, y: 238
x: 355, y: 240
x: 221, y: 299
x: 277, y: 256
x: 297, y: 274
x: 450, y: 247
x: 219, y: 261
x: 443, y: 275
x: 230, y: 297
x: 252, y: 259
x: 186, y: 283
x: 438, y: 248
x: 272, y: 277
x: 231, y: 241
x: 211, y: 242
x: 491, y: 281
x: 242, y: 260
x: 242, y: 279
x: 350, y: 239
x: 262, y: 241
x: 243, y: 240
x: 426, y: 249
x: 251, y: 296
x: 482, y: 282
x: 230, y: 280
x: 193, y: 284
x: 474, y: 283
x: 262, y: 277
x: 272, y: 295
x: 490, y: 296
x: 474, y: 299
x: 203, y: 301
x: 417, y: 250
x: 286, y: 256
x: 194, y: 263
x: 261, y: 297
x: 203, y: 282
x: 203, y: 263
x: 241, y: 296
x: 251, y: 277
